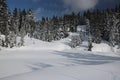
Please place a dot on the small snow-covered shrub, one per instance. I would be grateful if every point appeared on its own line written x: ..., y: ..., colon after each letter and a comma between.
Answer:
x: 75, y: 41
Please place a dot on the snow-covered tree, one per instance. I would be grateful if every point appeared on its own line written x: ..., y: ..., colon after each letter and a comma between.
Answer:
x: 22, y: 35
x: 15, y: 21
x: 8, y: 26
x: 30, y: 22
x: 0, y: 40
x: 89, y: 35
x: 23, y: 27
x: 3, y: 16
x: 114, y: 32
x: 12, y: 39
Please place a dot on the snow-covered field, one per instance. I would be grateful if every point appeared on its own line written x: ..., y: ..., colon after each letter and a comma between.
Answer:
x: 39, y: 60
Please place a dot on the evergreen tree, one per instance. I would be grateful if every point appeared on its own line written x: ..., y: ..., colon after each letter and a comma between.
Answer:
x: 15, y: 21
x: 3, y: 17
x: 0, y: 40
x: 89, y: 35
x: 114, y: 32
x: 30, y: 22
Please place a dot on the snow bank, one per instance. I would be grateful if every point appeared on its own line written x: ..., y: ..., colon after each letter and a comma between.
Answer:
x: 102, y: 47
x: 63, y: 44
x: 34, y: 44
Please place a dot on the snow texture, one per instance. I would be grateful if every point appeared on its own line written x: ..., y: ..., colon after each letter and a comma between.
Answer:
x: 55, y: 60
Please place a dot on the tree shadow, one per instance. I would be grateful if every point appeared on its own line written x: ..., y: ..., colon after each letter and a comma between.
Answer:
x: 88, y: 59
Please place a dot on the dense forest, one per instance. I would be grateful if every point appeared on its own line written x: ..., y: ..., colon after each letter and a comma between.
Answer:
x: 103, y: 25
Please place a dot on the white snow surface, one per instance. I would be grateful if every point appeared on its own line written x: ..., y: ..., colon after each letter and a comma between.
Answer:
x: 55, y: 60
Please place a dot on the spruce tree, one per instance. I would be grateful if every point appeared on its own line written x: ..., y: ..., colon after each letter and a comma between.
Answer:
x: 89, y: 35
x: 3, y: 17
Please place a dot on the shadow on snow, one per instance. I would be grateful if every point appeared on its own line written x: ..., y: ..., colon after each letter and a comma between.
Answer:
x: 88, y: 59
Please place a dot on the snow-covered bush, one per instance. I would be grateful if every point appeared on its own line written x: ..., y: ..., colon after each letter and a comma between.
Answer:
x: 75, y: 41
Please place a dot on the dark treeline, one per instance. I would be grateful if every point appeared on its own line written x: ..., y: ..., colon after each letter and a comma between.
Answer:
x: 104, y: 24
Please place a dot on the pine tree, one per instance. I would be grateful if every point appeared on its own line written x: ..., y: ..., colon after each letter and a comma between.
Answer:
x: 30, y: 22
x: 90, y: 36
x: 12, y: 39
x: 15, y: 21
x: 0, y: 40
x: 3, y: 16
x: 4, y: 21
x: 4, y: 26
x: 114, y: 32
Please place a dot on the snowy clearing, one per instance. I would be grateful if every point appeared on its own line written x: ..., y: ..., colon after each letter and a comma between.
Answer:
x: 59, y: 40
x: 40, y: 60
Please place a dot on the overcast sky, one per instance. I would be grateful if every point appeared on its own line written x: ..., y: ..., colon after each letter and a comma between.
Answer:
x: 59, y: 7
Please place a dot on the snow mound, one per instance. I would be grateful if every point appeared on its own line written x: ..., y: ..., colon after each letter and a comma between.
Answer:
x: 63, y: 44
x: 34, y: 44
x: 102, y: 47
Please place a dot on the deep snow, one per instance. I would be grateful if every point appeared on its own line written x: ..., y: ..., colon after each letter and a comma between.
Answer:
x: 39, y: 60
